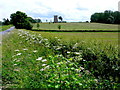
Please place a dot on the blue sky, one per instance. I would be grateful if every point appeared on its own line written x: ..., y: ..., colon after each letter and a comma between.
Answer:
x: 70, y: 10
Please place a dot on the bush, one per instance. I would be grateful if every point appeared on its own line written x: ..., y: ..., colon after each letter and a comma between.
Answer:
x: 59, y: 27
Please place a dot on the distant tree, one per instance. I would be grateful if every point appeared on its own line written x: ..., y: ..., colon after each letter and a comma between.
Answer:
x: 60, y: 18
x: 6, y: 21
x: 20, y: 20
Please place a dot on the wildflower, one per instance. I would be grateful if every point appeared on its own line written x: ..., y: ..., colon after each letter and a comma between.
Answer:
x: 80, y: 83
x: 17, y: 60
x: 19, y: 54
x: 15, y: 64
x: 46, y: 39
x: 68, y: 52
x: 35, y: 51
x: 81, y: 68
x: 58, y: 39
x: 77, y: 53
x: 40, y: 58
x: 16, y: 69
x: 25, y: 49
x: 42, y: 69
x: 16, y: 50
x: 47, y: 67
x: 44, y: 60
x: 84, y: 60
x: 58, y: 63
x: 44, y: 64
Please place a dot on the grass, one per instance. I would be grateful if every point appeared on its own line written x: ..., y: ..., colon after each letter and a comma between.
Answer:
x: 5, y: 27
x: 60, y: 60
x: 76, y: 26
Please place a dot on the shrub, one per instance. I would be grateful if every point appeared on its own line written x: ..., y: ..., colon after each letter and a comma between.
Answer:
x: 59, y: 27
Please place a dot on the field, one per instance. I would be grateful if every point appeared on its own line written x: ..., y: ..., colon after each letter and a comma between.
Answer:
x: 5, y: 27
x: 60, y: 59
x: 77, y: 26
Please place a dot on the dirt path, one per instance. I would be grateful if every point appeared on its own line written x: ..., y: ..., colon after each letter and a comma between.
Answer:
x: 8, y: 30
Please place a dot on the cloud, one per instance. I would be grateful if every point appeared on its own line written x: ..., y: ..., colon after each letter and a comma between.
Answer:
x: 70, y: 10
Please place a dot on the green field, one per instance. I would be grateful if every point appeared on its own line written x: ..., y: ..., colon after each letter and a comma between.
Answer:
x: 76, y: 26
x: 5, y: 27
x: 60, y: 59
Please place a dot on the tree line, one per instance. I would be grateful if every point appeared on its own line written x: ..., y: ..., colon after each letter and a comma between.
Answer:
x: 107, y: 16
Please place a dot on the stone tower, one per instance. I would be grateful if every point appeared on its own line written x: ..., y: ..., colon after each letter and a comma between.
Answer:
x: 55, y: 19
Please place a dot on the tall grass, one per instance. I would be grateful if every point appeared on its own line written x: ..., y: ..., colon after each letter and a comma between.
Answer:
x: 32, y: 61
x: 5, y: 27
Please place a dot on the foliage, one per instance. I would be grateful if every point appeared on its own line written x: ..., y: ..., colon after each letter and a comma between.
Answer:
x: 107, y: 16
x: 5, y: 27
x: 59, y: 27
x: 60, y: 18
x: 6, y: 21
x: 20, y: 20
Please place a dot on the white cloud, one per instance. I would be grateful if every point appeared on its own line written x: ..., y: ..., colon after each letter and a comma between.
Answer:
x: 70, y: 10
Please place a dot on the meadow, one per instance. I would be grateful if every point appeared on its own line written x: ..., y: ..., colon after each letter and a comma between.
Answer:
x: 5, y: 27
x: 60, y: 59
x: 76, y: 26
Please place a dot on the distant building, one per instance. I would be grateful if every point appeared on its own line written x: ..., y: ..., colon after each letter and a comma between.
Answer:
x: 55, y: 19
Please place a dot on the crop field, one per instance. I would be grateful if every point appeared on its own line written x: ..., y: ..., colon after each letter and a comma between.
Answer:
x: 60, y: 59
x: 76, y: 26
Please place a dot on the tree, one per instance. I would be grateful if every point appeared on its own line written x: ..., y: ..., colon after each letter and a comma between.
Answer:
x: 60, y: 18
x: 20, y: 20
x: 6, y: 21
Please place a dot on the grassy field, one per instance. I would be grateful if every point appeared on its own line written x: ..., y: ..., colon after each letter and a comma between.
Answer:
x: 60, y: 60
x: 5, y: 27
x: 76, y: 26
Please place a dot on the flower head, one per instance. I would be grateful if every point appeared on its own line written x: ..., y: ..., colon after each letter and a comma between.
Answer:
x: 40, y: 58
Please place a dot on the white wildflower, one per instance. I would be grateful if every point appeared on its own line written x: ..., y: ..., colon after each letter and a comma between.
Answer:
x: 40, y: 58
x: 44, y: 60
x: 84, y: 60
x: 17, y: 50
x: 15, y: 64
x: 59, y: 63
x: 35, y: 51
x: 81, y: 68
x: 58, y: 39
x: 25, y: 49
x: 19, y: 54
x: 42, y: 69
x: 17, y: 60
x: 44, y: 64
x: 45, y: 39
x: 68, y: 52
x: 47, y: 67
x: 77, y: 53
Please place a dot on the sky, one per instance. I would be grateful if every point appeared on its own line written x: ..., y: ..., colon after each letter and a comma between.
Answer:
x: 70, y: 10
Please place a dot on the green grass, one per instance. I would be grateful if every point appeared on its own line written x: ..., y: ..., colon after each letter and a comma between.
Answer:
x: 5, y: 27
x: 76, y: 26
x: 60, y: 60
